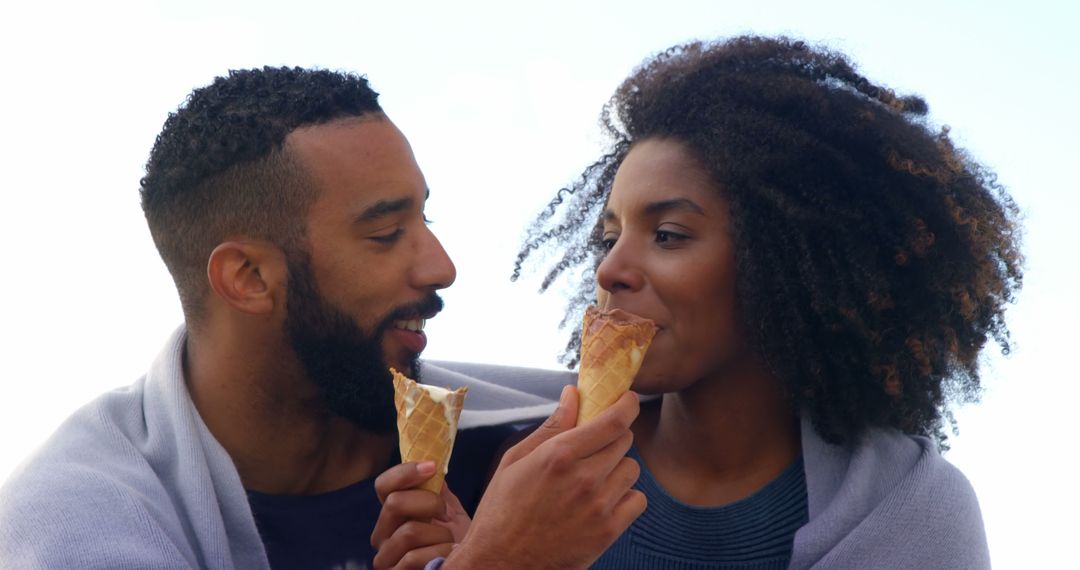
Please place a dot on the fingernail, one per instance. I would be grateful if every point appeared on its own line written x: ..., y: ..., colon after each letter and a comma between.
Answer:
x: 564, y: 395
x: 425, y: 467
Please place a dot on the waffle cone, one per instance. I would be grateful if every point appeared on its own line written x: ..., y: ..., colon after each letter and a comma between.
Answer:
x: 613, y: 346
x: 426, y: 426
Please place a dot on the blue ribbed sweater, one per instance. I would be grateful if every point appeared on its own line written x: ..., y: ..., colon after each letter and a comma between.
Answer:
x: 754, y: 533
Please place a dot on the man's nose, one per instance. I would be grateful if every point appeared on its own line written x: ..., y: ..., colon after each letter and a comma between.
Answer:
x: 433, y: 268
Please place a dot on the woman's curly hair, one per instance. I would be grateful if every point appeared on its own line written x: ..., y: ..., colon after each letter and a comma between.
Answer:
x: 874, y: 258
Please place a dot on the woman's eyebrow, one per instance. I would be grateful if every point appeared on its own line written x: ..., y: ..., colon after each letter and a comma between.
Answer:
x: 662, y: 206
x: 654, y: 208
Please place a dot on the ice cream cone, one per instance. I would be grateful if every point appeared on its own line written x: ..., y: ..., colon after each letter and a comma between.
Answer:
x: 427, y: 418
x: 613, y: 345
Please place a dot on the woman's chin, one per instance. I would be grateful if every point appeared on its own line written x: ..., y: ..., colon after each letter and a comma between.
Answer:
x: 649, y: 385
x: 647, y: 390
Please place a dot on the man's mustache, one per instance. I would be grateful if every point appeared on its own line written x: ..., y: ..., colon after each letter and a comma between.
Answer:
x: 430, y: 305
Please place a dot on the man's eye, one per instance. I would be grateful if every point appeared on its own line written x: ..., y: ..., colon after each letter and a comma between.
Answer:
x: 388, y: 238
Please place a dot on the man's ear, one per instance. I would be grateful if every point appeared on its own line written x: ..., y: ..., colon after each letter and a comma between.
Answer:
x: 249, y: 276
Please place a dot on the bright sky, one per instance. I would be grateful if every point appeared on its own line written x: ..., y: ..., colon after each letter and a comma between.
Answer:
x: 501, y: 104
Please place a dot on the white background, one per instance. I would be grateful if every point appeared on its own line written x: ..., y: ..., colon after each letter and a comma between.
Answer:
x: 500, y: 101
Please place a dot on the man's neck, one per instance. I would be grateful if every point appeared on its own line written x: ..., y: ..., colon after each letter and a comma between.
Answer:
x: 721, y: 439
x: 262, y: 409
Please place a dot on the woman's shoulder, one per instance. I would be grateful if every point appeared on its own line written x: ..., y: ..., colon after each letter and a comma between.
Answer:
x: 888, y: 492
x: 880, y: 463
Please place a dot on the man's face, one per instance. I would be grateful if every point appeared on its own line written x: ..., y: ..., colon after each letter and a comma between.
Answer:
x: 344, y: 362
x: 359, y: 297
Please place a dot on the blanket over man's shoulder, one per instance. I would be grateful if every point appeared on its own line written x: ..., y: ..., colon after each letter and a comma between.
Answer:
x: 135, y: 479
x: 132, y: 480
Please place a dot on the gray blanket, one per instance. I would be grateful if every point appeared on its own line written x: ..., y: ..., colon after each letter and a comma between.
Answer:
x: 135, y: 480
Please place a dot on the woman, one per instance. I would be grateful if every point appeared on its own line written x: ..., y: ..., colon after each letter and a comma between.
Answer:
x: 824, y: 269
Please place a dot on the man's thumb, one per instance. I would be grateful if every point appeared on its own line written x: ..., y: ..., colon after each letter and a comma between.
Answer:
x: 563, y: 418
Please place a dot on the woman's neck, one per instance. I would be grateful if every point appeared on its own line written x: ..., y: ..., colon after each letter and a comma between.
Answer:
x: 721, y: 439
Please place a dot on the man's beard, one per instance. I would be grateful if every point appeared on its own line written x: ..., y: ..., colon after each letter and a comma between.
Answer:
x: 345, y: 364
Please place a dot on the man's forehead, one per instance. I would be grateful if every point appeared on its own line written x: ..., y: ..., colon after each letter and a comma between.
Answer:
x: 352, y: 148
x: 353, y: 131
x: 358, y: 162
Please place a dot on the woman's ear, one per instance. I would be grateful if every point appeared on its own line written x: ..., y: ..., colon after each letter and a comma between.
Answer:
x: 249, y: 276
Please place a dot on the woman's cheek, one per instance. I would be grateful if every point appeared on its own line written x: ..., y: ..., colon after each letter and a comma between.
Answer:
x: 664, y: 370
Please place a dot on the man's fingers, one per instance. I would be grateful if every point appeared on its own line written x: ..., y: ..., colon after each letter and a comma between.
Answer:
x: 404, y: 476
x: 603, y: 430
x: 622, y: 479
x: 628, y: 509
x: 403, y: 506
x: 606, y: 460
x: 563, y: 418
x: 410, y: 536
x: 608, y: 474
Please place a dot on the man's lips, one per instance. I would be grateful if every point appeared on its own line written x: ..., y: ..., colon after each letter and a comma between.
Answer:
x: 410, y: 333
x: 406, y: 324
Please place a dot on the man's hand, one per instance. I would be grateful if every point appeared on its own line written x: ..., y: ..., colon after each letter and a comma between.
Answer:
x: 560, y: 497
x: 415, y: 525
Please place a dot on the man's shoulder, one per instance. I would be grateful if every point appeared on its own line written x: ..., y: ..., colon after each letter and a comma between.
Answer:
x: 88, y: 485
x: 109, y: 429
x: 73, y: 514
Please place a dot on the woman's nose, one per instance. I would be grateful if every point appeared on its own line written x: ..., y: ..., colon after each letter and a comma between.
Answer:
x: 620, y: 271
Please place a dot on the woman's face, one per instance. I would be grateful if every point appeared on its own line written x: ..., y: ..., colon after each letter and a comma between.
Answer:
x: 671, y: 258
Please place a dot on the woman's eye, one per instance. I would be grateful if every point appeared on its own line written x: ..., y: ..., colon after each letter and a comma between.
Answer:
x: 607, y: 243
x: 388, y: 238
x: 664, y: 236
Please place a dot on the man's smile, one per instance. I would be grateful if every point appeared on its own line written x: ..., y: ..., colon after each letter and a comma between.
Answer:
x: 409, y: 334
x: 415, y: 325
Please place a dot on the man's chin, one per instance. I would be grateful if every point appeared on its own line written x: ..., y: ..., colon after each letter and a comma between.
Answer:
x: 403, y: 361
x: 410, y: 368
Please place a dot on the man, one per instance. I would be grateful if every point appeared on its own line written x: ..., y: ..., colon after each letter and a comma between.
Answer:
x: 290, y: 211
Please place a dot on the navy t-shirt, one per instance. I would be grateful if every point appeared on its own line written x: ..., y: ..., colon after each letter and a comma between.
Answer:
x: 332, y: 531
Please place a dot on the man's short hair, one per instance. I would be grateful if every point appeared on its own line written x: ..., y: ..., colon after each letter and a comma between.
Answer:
x: 219, y: 168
